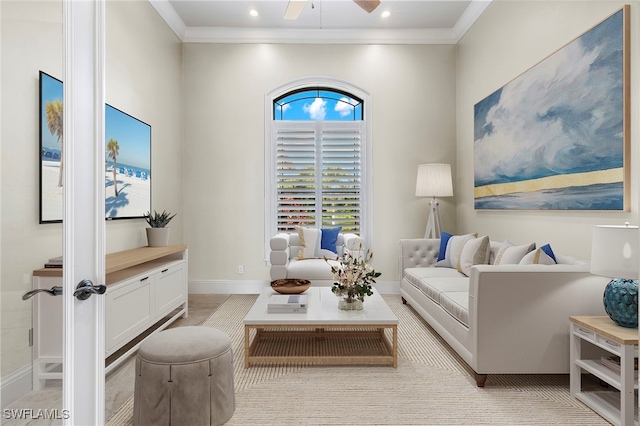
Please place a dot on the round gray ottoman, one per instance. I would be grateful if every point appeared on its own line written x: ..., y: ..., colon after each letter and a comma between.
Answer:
x: 184, y: 376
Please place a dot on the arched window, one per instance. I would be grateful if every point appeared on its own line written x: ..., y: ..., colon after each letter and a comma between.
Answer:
x: 317, y: 162
x: 318, y: 103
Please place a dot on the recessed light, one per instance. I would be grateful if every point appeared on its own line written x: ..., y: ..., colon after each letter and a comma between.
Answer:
x: 386, y: 14
x: 253, y: 12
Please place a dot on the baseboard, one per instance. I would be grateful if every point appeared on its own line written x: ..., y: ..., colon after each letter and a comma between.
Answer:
x: 15, y: 385
x: 256, y: 286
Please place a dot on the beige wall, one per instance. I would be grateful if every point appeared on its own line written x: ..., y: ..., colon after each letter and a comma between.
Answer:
x: 509, y: 38
x: 143, y: 79
x: 412, y: 92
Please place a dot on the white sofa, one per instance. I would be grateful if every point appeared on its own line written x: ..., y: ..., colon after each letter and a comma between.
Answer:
x: 502, y: 319
x: 285, y: 263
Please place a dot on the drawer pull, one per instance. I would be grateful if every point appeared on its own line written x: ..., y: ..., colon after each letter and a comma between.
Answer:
x: 165, y: 270
x: 614, y: 344
x: 585, y: 332
x: 145, y: 278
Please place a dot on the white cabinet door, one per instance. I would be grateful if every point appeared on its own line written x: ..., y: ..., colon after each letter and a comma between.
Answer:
x: 170, y: 288
x: 130, y: 311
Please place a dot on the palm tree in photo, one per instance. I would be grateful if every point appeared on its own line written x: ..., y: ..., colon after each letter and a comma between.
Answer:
x: 54, y: 122
x: 113, y: 150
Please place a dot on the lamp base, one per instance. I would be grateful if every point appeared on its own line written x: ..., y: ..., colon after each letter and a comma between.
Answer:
x: 621, y: 302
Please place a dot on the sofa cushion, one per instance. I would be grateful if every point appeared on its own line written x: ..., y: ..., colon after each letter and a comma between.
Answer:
x: 309, y: 242
x: 416, y: 275
x: 311, y: 269
x: 474, y: 252
x: 510, y: 254
x: 454, y: 250
x: 435, y: 287
x: 456, y: 303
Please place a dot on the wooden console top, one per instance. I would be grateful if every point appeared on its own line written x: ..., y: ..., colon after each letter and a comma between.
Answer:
x: 122, y: 259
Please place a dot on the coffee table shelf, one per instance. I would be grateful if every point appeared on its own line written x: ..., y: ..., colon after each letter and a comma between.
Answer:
x: 323, y: 320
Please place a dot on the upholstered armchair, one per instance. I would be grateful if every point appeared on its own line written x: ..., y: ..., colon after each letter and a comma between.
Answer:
x: 289, y: 259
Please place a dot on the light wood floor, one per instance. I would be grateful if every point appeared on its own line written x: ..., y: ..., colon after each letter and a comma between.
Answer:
x: 120, y: 382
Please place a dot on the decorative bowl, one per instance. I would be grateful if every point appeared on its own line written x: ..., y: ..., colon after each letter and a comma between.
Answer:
x: 290, y: 285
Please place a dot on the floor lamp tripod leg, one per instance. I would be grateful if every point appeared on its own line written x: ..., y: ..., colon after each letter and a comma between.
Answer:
x: 433, y: 224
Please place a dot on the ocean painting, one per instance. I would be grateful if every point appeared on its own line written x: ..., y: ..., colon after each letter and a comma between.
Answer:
x: 557, y: 136
x: 128, y: 165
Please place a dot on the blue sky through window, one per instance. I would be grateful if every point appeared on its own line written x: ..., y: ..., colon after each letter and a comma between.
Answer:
x: 317, y: 105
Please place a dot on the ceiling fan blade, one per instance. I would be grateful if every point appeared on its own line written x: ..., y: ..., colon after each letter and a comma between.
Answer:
x: 368, y: 5
x: 294, y: 9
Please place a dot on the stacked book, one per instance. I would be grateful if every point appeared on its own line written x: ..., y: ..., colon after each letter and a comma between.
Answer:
x: 54, y: 262
x: 287, y: 303
x: 613, y: 364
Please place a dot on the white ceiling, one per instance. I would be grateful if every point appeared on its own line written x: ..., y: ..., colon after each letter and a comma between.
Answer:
x: 321, y: 21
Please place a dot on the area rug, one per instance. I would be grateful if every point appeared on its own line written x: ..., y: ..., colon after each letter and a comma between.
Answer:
x: 431, y: 386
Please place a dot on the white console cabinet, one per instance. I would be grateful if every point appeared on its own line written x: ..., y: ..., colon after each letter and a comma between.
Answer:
x: 146, y: 291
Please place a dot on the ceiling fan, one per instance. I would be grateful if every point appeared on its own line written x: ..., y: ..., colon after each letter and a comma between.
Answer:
x: 295, y: 7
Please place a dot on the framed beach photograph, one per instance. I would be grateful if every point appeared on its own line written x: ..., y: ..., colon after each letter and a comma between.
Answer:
x: 51, y: 147
x: 127, y: 165
x: 557, y: 137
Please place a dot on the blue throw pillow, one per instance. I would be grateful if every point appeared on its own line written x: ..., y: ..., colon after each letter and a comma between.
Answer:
x: 547, y: 249
x: 329, y: 238
x: 444, y: 239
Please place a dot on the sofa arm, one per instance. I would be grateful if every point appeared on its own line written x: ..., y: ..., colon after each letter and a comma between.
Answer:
x: 279, y: 256
x: 526, y: 309
x: 418, y: 252
x: 353, y: 242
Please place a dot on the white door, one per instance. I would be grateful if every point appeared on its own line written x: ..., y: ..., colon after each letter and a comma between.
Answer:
x: 84, y: 212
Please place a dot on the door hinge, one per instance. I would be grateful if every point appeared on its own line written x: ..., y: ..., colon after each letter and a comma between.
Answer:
x: 30, y: 337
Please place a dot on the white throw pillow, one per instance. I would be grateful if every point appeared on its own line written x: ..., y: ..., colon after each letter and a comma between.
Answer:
x: 454, y: 250
x: 542, y: 256
x: 309, y: 242
x: 474, y: 252
x: 510, y: 254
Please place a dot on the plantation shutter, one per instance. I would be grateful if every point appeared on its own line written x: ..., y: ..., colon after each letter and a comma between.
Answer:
x: 318, y: 174
x: 341, y: 176
x: 295, y: 176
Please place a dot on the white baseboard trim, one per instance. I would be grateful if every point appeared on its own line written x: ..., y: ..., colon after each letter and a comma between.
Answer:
x: 256, y: 286
x: 15, y: 385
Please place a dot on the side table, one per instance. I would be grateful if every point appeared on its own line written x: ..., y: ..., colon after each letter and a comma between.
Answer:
x: 602, y: 332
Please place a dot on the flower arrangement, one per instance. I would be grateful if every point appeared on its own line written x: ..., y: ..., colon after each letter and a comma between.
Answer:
x: 354, y: 276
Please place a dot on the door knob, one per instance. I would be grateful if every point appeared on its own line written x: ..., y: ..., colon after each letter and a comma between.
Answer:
x: 86, y: 288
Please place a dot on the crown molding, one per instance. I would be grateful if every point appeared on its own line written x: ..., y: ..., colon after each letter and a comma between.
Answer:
x: 319, y: 36
x: 470, y: 15
x: 170, y: 16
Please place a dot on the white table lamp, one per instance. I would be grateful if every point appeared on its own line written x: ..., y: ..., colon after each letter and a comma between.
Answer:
x: 434, y: 180
x: 614, y: 254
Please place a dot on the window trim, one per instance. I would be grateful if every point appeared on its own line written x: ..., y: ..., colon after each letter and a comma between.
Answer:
x: 366, y: 218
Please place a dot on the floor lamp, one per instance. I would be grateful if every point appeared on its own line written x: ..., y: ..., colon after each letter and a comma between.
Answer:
x: 434, y: 180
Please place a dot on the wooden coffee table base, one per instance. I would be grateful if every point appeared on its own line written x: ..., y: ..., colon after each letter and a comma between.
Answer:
x: 321, y: 332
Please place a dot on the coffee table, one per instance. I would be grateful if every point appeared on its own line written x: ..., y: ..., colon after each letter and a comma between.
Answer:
x: 322, y: 320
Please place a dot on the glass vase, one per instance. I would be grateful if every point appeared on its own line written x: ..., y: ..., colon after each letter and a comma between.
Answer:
x: 350, y: 304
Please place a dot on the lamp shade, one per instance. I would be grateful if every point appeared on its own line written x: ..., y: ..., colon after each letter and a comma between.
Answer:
x: 434, y: 180
x: 614, y: 251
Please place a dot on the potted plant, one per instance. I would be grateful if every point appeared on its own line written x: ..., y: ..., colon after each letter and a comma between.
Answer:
x: 158, y: 234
